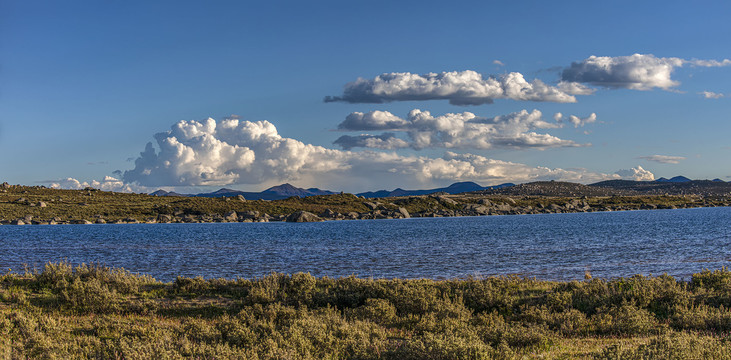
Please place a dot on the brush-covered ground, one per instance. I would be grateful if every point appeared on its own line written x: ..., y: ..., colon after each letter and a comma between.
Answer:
x: 97, y: 312
x: 37, y: 204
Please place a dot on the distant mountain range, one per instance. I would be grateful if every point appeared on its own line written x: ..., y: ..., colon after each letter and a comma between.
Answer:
x: 273, y: 193
x: 456, y: 188
x: 675, y: 185
x: 286, y: 190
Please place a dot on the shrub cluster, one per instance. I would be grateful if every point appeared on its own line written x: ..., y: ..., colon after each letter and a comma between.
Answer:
x: 91, y: 311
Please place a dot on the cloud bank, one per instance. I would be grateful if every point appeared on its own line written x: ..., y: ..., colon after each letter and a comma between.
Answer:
x: 456, y: 130
x: 107, y: 184
x: 232, y: 151
x: 637, y: 72
x: 459, y: 87
x: 663, y: 159
x: 636, y: 173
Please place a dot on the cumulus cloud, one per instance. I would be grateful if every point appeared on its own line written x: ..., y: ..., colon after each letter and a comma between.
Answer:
x: 107, y: 184
x: 385, y: 141
x: 663, y: 159
x: 575, y: 120
x: 374, y: 120
x: 197, y: 153
x: 711, y: 95
x: 456, y: 130
x: 636, y: 174
x: 459, y: 87
x: 637, y: 72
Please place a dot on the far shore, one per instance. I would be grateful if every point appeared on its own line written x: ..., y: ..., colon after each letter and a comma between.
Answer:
x: 37, y: 205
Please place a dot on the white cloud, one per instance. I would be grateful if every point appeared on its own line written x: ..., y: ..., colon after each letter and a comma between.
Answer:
x: 575, y: 120
x: 459, y: 87
x: 711, y: 95
x: 709, y: 63
x: 107, y: 184
x: 374, y: 120
x: 636, y: 174
x: 637, y: 72
x: 385, y: 141
x: 663, y: 159
x: 196, y: 153
x: 575, y: 88
x: 456, y: 130
x: 498, y: 62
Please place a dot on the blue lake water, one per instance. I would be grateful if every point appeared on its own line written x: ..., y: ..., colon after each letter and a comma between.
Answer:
x: 551, y: 246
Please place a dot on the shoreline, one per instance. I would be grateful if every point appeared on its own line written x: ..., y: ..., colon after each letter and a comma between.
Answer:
x: 384, y: 214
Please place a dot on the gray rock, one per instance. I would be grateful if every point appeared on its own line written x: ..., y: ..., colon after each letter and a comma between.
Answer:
x: 478, y: 209
x: 510, y: 200
x: 328, y: 214
x: 303, y: 216
x: 100, y: 221
x: 41, y: 204
x: 370, y: 205
x: 231, y: 216
x: 504, y: 207
x: 163, y: 218
x: 240, y: 197
x: 404, y: 212
x: 249, y: 215
x: 446, y: 200
x: 17, y: 222
x: 485, y: 202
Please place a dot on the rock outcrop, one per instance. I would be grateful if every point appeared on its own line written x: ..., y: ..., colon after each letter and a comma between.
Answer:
x: 303, y: 216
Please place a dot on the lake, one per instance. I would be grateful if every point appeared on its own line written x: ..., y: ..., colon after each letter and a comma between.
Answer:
x: 549, y: 246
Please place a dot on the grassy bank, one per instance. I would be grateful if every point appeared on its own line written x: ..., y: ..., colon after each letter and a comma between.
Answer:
x: 97, y: 312
x: 40, y: 205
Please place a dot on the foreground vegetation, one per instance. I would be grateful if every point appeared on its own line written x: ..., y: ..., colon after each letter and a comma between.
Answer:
x: 98, y: 312
x: 40, y: 205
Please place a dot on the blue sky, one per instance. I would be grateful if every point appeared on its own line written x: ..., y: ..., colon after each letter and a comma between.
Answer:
x: 85, y: 85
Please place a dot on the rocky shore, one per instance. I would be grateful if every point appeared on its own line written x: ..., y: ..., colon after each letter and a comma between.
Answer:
x: 386, y: 208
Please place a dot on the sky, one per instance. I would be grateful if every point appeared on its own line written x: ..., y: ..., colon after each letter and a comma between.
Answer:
x: 357, y: 96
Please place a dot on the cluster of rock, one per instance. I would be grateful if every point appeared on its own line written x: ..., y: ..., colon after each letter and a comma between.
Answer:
x: 437, y: 206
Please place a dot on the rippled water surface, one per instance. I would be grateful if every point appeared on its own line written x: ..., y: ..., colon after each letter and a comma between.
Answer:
x: 551, y: 247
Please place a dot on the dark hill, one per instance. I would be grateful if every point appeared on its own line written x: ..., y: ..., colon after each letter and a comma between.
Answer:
x: 456, y: 188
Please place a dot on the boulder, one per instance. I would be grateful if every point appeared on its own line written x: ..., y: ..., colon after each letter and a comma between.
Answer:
x: 370, y: 205
x: 504, y: 207
x: 446, y: 200
x: 240, y: 197
x: 249, y: 215
x: 231, y: 216
x: 478, y: 209
x: 41, y: 204
x: 303, y: 216
x: 404, y: 212
x: 328, y: 214
x: 100, y: 221
x: 17, y: 222
x: 485, y: 202
x: 163, y: 218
